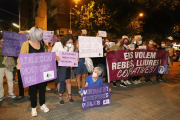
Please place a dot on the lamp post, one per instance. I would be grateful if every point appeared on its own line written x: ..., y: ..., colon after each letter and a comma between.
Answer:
x: 141, y: 15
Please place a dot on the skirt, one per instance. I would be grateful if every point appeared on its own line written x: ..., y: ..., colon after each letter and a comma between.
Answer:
x: 81, y: 69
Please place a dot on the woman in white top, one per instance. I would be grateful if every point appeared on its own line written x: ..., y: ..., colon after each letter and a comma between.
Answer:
x: 63, y: 73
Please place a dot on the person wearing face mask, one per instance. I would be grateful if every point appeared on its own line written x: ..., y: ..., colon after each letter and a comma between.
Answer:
x: 150, y: 46
x: 118, y: 46
x: 63, y: 73
x: 162, y: 47
x: 81, y: 71
x: 138, y: 43
x: 171, y: 52
x: 35, y: 45
x: 95, y: 78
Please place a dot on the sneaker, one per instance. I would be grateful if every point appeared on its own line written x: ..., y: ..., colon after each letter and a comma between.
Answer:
x: 34, y: 112
x: 12, y: 95
x: 139, y: 81
x: 47, y: 88
x: 135, y: 82
x: 122, y: 84
x: 2, y: 98
x: 161, y: 80
x: 44, y: 108
x: 127, y: 82
x: 114, y: 84
x: 149, y: 81
x: 15, y: 81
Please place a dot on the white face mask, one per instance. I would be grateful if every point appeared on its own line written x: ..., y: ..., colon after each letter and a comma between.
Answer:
x: 107, y: 43
x: 151, y: 42
x: 69, y: 45
x: 162, y: 45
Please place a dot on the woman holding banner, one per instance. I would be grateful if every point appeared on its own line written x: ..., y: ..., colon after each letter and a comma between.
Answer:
x: 118, y: 46
x: 35, y: 45
x: 150, y: 46
x: 64, y: 73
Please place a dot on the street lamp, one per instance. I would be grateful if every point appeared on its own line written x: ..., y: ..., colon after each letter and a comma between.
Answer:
x: 76, y: 1
x: 141, y: 15
x: 16, y: 25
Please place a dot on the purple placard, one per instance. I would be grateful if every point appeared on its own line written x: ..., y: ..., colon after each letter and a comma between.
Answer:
x: 123, y: 64
x: 48, y: 36
x: 95, y: 96
x: 12, y: 43
x: 37, y: 68
x: 68, y: 59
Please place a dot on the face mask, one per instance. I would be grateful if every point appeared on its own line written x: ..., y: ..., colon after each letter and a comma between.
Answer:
x: 107, y: 43
x: 162, y: 45
x: 151, y: 42
x: 140, y: 42
x: 94, y: 75
x: 126, y: 43
x: 40, y: 38
x: 69, y: 45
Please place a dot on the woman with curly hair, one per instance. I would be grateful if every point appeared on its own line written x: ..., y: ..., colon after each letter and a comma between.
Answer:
x: 63, y: 73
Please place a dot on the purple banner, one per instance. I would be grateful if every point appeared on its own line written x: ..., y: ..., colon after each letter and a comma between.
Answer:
x: 95, y: 96
x: 123, y: 64
x: 48, y: 36
x: 68, y: 59
x: 37, y: 68
x: 12, y: 43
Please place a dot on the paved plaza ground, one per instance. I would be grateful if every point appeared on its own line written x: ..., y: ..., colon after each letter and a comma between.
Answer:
x: 145, y: 101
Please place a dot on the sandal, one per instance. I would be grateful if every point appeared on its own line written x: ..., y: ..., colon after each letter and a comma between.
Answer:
x: 70, y: 98
x: 62, y: 101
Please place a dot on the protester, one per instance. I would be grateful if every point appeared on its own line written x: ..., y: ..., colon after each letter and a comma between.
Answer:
x: 126, y: 43
x: 81, y: 70
x: 4, y: 62
x: 150, y: 46
x: 35, y: 45
x: 171, y: 52
x: 159, y: 76
x: 136, y: 79
x: 107, y: 44
x: 118, y: 46
x: 64, y: 73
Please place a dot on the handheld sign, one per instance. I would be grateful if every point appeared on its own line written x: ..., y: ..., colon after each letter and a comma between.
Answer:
x: 68, y: 59
x: 37, y: 68
x: 102, y: 33
x: 90, y: 47
x: 12, y: 43
x: 48, y: 36
x: 131, y: 46
x: 142, y: 47
x: 95, y: 96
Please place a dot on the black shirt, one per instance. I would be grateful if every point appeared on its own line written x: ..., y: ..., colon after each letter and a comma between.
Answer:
x: 32, y: 50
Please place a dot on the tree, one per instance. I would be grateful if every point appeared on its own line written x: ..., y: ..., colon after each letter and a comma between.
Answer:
x: 92, y: 17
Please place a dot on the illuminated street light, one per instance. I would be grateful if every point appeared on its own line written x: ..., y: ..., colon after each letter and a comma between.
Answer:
x: 141, y: 15
x: 16, y: 25
x: 76, y: 2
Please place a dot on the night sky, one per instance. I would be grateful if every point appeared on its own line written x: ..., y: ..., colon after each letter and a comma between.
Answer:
x: 10, y: 6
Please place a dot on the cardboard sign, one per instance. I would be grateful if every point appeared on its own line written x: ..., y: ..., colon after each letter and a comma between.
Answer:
x: 95, y: 96
x: 142, y: 47
x: 37, y: 68
x: 90, y: 47
x: 68, y: 59
x: 131, y: 46
x: 102, y: 33
x: 48, y: 36
x: 12, y: 43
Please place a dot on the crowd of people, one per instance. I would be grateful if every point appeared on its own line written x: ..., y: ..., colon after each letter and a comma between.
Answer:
x: 68, y: 43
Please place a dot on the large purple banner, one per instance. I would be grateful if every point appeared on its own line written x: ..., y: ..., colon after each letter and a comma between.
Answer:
x: 95, y: 96
x: 123, y: 64
x: 12, y: 43
x: 37, y: 68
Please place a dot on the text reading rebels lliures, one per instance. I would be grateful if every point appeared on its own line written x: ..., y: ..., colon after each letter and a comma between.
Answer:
x: 136, y: 63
